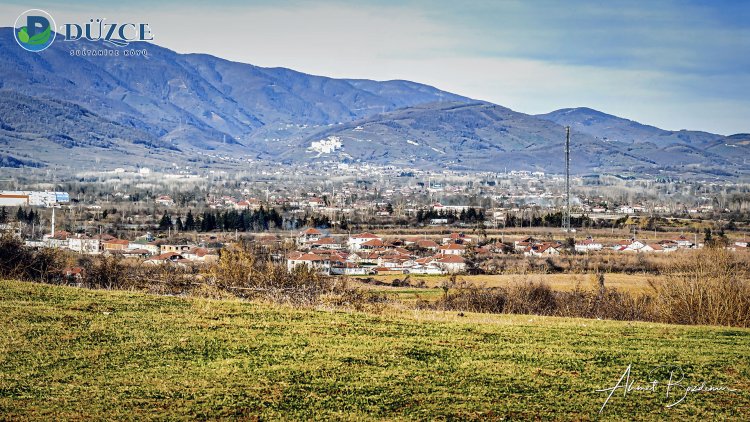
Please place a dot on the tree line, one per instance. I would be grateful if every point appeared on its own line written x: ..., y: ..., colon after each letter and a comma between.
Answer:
x: 245, y: 220
x: 470, y: 215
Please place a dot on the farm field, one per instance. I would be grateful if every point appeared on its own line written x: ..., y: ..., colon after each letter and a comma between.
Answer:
x: 68, y: 353
x: 631, y: 283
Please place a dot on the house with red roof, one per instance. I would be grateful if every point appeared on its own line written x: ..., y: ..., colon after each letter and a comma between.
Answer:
x: 115, y: 245
x: 165, y: 200
x: 683, y: 242
x: 326, y: 243
x: 309, y: 235
x: 167, y: 258
x: 427, y: 244
x: 652, y: 247
x: 459, y: 238
x: 588, y: 245
x: 452, y: 264
x: 355, y: 241
x: 453, y: 249
x: 522, y: 244
x: 199, y: 254
x: 311, y: 260
x: 373, y: 244
x: 542, y: 249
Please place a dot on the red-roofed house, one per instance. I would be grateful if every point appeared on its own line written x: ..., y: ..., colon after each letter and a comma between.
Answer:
x: 427, y: 244
x: 542, y: 249
x: 459, y: 238
x: 372, y: 244
x: 321, y: 263
x: 452, y: 264
x: 165, y: 258
x: 309, y: 235
x: 356, y: 241
x: 326, y: 243
x: 588, y: 245
x: 652, y: 247
x: 453, y: 249
x: 115, y: 245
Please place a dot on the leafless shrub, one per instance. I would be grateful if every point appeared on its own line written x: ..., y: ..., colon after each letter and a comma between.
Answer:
x: 708, y: 286
x: 245, y: 275
x: 530, y: 297
x: 472, y: 299
x: 19, y: 262
x: 605, y: 303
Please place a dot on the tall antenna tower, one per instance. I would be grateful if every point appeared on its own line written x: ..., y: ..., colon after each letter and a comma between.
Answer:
x: 566, y: 218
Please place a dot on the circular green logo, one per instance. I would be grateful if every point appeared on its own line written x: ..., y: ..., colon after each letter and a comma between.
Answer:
x: 34, y: 30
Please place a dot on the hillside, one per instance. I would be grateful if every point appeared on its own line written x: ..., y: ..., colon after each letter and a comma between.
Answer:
x: 38, y: 130
x: 479, y: 136
x: 165, y: 92
x: 68, y: 353
x: 183, y: 107
x: 606, y: 126
x: 484, y: 136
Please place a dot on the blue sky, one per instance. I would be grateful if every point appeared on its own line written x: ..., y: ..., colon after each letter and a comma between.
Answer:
x: 673, y: 64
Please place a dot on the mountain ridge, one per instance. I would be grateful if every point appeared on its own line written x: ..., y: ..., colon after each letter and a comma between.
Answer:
x: 180, y: 105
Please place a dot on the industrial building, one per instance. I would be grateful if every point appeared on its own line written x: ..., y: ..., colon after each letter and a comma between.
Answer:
x: 32, y: 198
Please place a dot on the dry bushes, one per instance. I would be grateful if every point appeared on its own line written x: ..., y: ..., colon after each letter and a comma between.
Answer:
x: 532, y: 297
x: 602, y: 262
x: 537, y: 298
x: 21, y: 263
x: 709, y: 286
x: 469, y: 298
x: 605, y: 303
x: 245, y: 275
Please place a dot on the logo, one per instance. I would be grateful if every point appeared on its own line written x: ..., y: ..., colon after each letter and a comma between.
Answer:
x: 35, y: 30
x: 116, y: 34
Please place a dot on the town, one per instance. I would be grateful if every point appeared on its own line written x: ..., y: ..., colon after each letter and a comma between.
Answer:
x: 394, y: 221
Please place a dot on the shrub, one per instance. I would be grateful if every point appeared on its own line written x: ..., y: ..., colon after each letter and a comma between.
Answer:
x: 531, y: 297
x: 19, y: 262
x: 708, y: 286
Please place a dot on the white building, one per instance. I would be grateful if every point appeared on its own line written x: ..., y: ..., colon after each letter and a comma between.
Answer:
x: 356, y: 241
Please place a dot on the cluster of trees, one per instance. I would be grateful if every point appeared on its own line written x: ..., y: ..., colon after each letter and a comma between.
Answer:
x: 29, y: 217
x: 245, y: 220
x: 554, y: 219
x: 470, y: 215
x: 718, y: 240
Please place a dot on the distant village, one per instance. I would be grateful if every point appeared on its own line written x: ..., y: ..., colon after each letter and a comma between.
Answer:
x: 369, y: 220
x: 357, y: 254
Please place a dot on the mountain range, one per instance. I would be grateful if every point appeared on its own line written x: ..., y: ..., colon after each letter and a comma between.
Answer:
x: 69, y: 110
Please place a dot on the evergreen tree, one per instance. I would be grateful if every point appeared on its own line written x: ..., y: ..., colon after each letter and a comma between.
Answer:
x: 166, y: 222
x: 3, y: 215
x: 180, y: 226
x: 708, y: 239
x: 190, y: 221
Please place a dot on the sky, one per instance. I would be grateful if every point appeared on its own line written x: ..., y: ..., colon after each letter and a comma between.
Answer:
x: 672, y: 64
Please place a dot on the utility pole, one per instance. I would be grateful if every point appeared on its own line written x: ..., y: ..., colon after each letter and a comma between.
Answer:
x: 566, y: 218
x: 53, y: 222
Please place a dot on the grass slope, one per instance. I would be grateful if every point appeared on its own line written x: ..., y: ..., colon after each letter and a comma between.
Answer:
x: 76, y: 354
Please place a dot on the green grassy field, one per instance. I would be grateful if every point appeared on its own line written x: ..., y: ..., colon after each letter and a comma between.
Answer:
x: 77, y: 354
